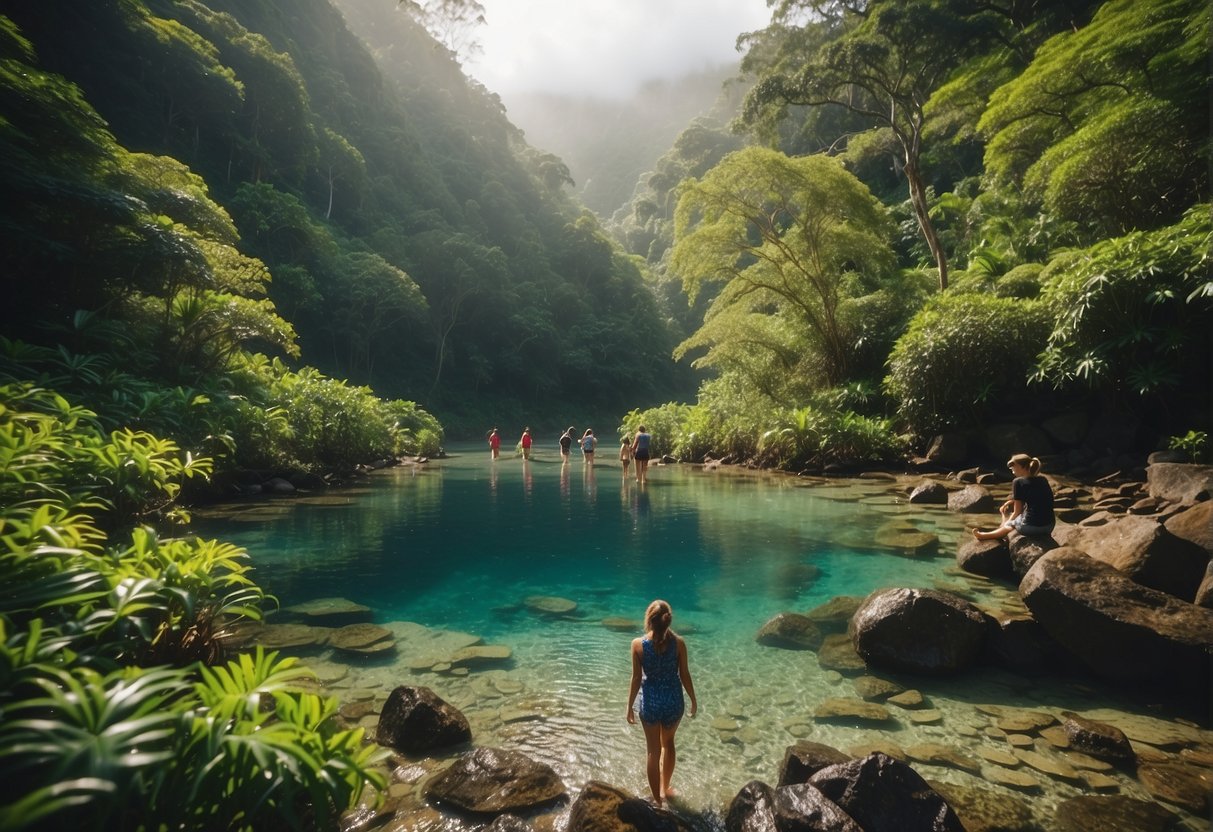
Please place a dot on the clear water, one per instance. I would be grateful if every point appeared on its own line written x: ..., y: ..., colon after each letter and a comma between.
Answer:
x: 458, y: 545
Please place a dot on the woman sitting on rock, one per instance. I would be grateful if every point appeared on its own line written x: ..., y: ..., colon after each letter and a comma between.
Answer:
x: 1030, y: 509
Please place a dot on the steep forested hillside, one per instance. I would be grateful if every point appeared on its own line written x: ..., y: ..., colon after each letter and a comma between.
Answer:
x: 1041, y: 256
x: 414, y: 241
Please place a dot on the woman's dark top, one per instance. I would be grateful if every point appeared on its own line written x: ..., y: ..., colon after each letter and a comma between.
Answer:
x: 565, y: 442
x: 1037, y: 496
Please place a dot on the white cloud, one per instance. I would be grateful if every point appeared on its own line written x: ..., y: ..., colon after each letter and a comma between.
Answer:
x: 607, y: 48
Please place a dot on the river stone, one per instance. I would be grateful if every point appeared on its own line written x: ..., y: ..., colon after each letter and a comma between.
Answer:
x: 549, y: 605
x: 884, y: 795
x: 1018, y: 740
x: 1019, y: 643
x: 909, y: 699
x: 751, y: 810
x: 1119, y: 629
x: 838, y: 653
x: 926, y: 716
x: 801, y: 807
x: 917, y: 631
x: 480, y: 655
x: 889, y: 749
x: 1051, y: 766
x: 1112, y: 813
x: 803, y: 759
x: 604, y: 808
x: 1011, y: 778
x: 972, y: 499
x: 1198, y: 756
x: 850, y: 710
x: 790, y: 631
x: 1160, y: 733
x: 331, y: 612
x: 875, y: 689
x: 1194, y: 525
x: 1056, y: 736
x: 942, y: 755
x: 984, y: 810
x: 834, y: 615
x: 1025, y: 550
x: 929, y: 492
x: 1083, y: 762
x: 1099, y: 782
x: 1018, y: 721
x: 1179, y: 482
x: 1147, y: 552
x: 495, y: 780
x: 989, y: 558
x: 1186, y: 787
x: 359, y: 637
x: 416, y: 720
x: 908, y: 541
x: 1099, y: 739
x: 287, y: 636
x: 621, y: 625
x: 997, y: 756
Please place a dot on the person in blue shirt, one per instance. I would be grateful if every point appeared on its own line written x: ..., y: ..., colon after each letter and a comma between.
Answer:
x: 659, y: 674
x: 1030, y: 509
x: 587, y: 446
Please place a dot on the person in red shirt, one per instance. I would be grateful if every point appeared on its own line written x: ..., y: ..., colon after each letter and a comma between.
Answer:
x: 526, y: 443
x: 495, y: 443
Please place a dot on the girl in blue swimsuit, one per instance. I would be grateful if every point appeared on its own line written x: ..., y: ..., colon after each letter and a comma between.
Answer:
x: 659, y: 673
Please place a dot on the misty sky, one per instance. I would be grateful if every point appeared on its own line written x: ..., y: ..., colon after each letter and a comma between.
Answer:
x: 609, y: 47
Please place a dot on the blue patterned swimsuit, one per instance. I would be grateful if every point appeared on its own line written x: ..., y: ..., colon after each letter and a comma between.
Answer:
x: 660, y: 686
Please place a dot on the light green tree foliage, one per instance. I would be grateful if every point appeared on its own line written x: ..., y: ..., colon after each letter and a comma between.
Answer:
x: 1108, y: 126
x: 793, y: 241
x: 1131, y: 314
x: 962, y: 355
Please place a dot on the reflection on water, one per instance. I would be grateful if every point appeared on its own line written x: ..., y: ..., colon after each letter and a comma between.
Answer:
x: 460, y: 545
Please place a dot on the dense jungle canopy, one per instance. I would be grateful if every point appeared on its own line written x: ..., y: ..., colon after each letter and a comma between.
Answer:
x: 249, y: 235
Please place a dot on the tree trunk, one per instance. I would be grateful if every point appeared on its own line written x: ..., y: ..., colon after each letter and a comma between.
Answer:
x: 918, y: 197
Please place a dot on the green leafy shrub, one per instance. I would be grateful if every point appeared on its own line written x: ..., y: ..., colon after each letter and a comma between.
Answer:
x: 666, y: 423
x: 961, y: 355
x: 1020, y: 282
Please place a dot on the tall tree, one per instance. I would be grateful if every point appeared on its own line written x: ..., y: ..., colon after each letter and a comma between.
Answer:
x: 890, y: 56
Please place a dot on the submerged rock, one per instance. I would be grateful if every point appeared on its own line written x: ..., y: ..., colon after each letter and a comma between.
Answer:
x: 834, y: 615
x: 839, y: 709
x: 989, y: 558
x: 1114, y: 813
x: 838, y: 653
x: 362, y: 639
x: 1099, y: 739
x: 790, y: 631
x: 985, y: 810
x: 494, y: 780
x: 550, y: 605
x: 331, y: 612
x: 918, y: 631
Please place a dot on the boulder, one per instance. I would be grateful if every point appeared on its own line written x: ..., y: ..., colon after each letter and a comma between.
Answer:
x: 1098, y: 739
x: 1113, y: 813
x: 416, y: 720
x: 837, y: 652
x: 1119, y: 629
x: 929, y: 492
x: 1179, y: 482
x: 917, y: 631
x: 790, y: 631
x: 751, y: 810
x: 804, y: 759
x: 1018, y: 643
x: 884, y: 795
x: 834, y: 615
x: 1204, y: 592
x: 803, y: 808
x: 972, y: 499
x: 277, y: 485
x: 1025, y: 550
x: 1143, y: 549
x: 989, y: 558
x: 1194, y: 525
x: 495, y: 781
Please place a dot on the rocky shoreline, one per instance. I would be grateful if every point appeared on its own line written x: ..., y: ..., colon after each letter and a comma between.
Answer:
x: 1122, y: 588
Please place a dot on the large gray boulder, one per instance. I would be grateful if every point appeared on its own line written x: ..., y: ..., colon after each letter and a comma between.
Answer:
x: 884, y: 795
x: 1143, y: 549
x: 918, y: 631
x: 1194, y: 525
x: 972, y: 499
x: 989, y: 558
x: 416, y: 720
x: 1026, y: 549
x: 1118, y: 628
x: 1180, y: 482
x: 495, y: 781
x: 929, y: 492
x: 752, y: 809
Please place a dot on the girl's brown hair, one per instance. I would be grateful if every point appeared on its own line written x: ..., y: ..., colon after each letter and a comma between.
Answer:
x: 657, y: 619
x: 1029, y: 462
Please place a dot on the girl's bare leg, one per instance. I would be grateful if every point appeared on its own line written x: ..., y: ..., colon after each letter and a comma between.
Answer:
x: 652, y: 741
x: 668, y: 758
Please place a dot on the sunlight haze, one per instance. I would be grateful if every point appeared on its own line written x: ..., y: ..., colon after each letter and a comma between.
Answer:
x: 606, y: 49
